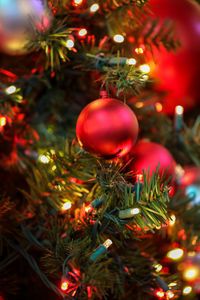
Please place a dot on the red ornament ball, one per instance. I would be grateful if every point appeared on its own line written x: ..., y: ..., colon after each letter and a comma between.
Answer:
x: 148, y: 155
x: 107, y: 128
x: 178, y: 73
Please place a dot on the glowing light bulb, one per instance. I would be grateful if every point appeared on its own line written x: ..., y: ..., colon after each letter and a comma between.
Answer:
x: 2, y: 121
x: 69, y: 44
x: 107, y: 243
x: 76, y: 3
x: 131, y: 61
x: 135, y: 211
x: 179, y: 110
x: 187, y: 290
x: 158, y: 106
x: 191, y: 273
x: 160, y: 293
x: 139, y: 177
x: 158, y: 267
x: 175, y: 254
x: 145, y: 68
x: 88, y: 208
x: 94, y: 7
x: 172, y: 220
x: 118, y: 38
x: 67, y: 205
x: 11, y: 90
x: 82, y: 32
x: 139, y: 50
x: 171, y: 284
x: 44, y: 159
x: 64, y: 285
x: 169, y: 294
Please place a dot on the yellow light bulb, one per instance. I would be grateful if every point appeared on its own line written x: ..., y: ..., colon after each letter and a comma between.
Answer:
x: 179, y: 110
x: 94, y: 7
x: 172, y: 220
x: 2, y: 121
x: 118, y: 38
x: 187, y: 290
x: 139, y: 50
x: 158, y: 267
x: 11, y: 90
x: 44, y: 159
x: 69, y: 43
x: 64, y: 285
x: 67, y: 205
x: 191, y: 273
x: 175, y: 254
x: 131, y: 61
x: 145, y: 68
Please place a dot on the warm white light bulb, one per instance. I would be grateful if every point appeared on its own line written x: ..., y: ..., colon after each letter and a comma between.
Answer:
x: 11, y: 90
x: 187, y: 290
x: 67, y: 205
x: 118, y: 38
x: 94, y: 7
x: 131, y: 61
x: 179, y: 110
x: 107, y: 243
x: 69, y: 43
x: 145, y: 68
x: 175, y: 253
x: 43, y: 159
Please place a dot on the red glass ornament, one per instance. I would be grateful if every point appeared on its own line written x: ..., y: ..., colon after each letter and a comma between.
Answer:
x: 178, y: 73
x: 148, y: 155
x: 107, y: 128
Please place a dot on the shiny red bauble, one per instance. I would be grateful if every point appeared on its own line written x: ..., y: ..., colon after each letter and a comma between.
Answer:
x: 178, y: 73
x: 107, y: 128
x: 148, y: 155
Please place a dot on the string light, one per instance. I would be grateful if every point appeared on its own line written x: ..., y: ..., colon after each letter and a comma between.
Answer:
x: 64, y: 285
x: 191, y: 273
x: 11, y: 90
x: 101, y: 250
x: 179, y: 110
x: 145, y: 68
x: 69, y: 43
x: 187, y: 290
x: 169, y: 294
x: 131, y: 61
x: 172, y: 284
x: 178, y: 119
x: 2, y: 121
x: 128, y: 213
x: 67, y: 205
x: 158, y: 267
x: 82, y: 32
x: 158, y: 106
x: 107, y: 243
x: 118, y: 38
x: 44, y: 159
x: 94, y: 7
x: 160, y: 293
x: 139, y: 50
x: 76, y: 3
x: 172, y: 220
x: 175, y: 254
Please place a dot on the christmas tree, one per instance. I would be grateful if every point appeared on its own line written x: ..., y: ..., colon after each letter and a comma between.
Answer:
x: 99, y: 149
